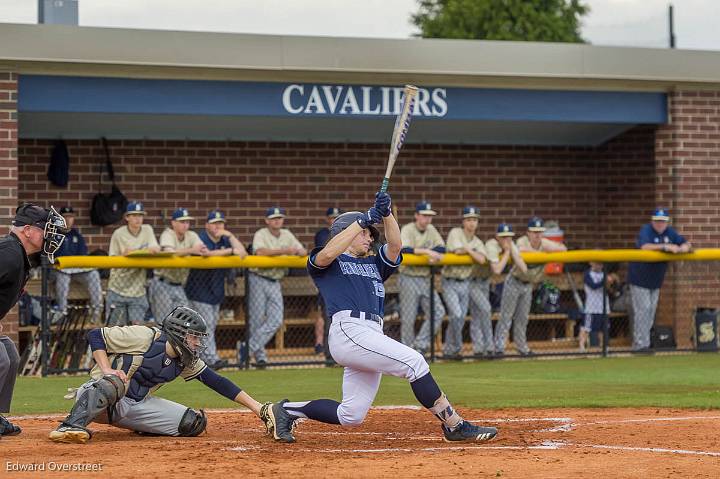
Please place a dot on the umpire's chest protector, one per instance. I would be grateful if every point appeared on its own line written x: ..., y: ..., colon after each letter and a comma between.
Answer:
x: 155, y: 369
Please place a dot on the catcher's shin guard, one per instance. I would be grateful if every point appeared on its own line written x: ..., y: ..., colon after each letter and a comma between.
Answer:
x: 193, y: 423
x: 101, y: 396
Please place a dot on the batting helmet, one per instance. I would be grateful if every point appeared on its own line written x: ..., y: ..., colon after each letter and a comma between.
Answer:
x: 346, y: 219
x: 181, y: 324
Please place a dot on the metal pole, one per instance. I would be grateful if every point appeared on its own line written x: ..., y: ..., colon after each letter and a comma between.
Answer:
x: 671, y: 21
x: 432, y: 314
x: 246, y: 305
x: 44, y: 319
x: 41, y: 11
x: 606, y: 318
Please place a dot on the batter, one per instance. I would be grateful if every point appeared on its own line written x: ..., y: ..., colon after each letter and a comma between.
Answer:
x: 350, y: 281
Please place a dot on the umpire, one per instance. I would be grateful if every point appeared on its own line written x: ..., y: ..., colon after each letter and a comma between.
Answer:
x: 33, y: 230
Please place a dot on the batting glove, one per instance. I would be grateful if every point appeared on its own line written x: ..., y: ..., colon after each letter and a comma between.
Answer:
x: 382, y: 203
x: 370, y: 218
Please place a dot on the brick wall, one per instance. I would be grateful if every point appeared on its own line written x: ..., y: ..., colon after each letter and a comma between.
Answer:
x: 8, y: 170
x: 598, y: 195
x: 688, y: 182
x: 625, y: 187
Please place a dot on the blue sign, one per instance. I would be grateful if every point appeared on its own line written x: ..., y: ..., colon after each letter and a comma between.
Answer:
x: 39, y: 93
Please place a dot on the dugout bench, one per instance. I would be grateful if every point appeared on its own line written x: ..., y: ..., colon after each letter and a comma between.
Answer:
x: 295, y: 338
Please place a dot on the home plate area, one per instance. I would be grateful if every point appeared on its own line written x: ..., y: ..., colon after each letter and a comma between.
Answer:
x: 402, y: 441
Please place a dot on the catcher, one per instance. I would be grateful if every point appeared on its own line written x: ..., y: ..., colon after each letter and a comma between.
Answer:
x: 132, y: 362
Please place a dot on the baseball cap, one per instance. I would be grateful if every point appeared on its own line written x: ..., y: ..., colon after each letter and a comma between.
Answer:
x: 67, y: 210
x: 334, y: 211
x: 216, y: 216
x: 536, y: 224
x: 470, y: 212
x: 660, y: 214
x: 505, y: 229
x: 181, y: 214
x: 135, y: 208
x: 425, y: 208
x: 30, y: 214
x: 275, y: 212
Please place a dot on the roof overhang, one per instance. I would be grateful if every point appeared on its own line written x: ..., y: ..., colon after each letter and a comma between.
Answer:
x: 87, y: 82
x: 60, y: 49
x: 90, y: 107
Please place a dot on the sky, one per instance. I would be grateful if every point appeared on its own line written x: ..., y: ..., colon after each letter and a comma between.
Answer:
x: 640, y: 23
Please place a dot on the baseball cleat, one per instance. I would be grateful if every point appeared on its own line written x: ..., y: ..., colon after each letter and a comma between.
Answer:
x: 280, y: 423
x: 70, y: 435
x: 7, y: 428
x: 467, y: 431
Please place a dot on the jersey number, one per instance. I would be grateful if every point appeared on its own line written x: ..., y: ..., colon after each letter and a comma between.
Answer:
x: 379, y: 289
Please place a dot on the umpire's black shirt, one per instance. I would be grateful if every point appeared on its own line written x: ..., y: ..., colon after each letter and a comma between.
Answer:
x: 14, y: 272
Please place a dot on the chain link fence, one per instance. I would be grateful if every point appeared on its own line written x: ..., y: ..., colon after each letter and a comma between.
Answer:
x: 258, y: 322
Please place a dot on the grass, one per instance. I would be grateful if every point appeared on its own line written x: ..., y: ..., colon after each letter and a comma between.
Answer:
x: 678, y: 381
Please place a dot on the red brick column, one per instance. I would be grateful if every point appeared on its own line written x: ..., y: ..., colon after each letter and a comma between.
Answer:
x: 687, y: 154
x: 8, y: 171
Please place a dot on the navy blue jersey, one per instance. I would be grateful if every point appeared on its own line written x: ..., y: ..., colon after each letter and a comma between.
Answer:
x: 353, y: 283
x: 208, y: 285
x: 73, y: 245
x: 651, y: 275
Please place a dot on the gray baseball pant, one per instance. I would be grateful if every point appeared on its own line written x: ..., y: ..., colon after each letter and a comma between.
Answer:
x: 457, y: 297
x: 124, y: 310
x: 91, y: 280
x: 644, y: 303
x: 415, y: 293
x: 164, y: 297
x: 9, y: 361
x: 265, y: 311
x: 211, y: 314
x: 514, y: 309
x: 152, y: 415
x: 481, y: 333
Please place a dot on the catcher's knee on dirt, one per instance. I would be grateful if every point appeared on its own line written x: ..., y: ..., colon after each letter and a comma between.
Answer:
x: 101, y: 396
x: 193, y: 423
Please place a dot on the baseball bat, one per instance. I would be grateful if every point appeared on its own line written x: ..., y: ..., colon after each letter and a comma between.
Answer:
x: 576, y: 295
x: 402, y: 123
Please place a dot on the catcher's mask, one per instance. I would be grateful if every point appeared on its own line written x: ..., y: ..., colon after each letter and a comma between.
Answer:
x: 187, y: 332
x: 50, y: 221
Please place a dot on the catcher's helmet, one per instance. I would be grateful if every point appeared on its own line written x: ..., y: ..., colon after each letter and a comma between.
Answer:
x: 346, y: 219
x: 181, y: 323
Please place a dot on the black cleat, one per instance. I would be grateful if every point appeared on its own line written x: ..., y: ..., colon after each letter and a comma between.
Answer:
x: 7, y: 428
x: 468, y: 431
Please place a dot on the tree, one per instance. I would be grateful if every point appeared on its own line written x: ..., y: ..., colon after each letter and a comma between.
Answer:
x: 524, y: 20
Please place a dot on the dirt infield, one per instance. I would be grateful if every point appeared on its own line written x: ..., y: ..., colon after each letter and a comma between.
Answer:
x: 398, y: 442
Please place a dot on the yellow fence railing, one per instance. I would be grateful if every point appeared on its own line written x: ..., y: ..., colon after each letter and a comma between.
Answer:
x: 577, y: 256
